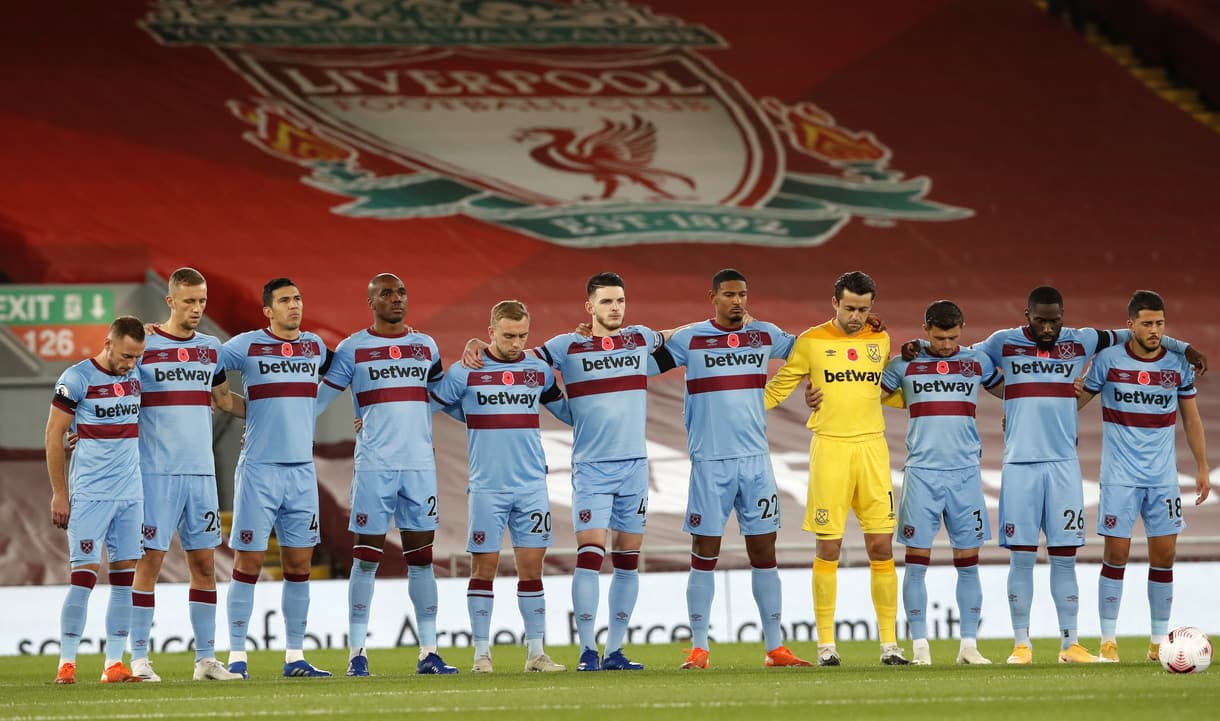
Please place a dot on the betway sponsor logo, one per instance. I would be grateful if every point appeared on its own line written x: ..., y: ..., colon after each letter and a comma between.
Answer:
x: 720, y: 360
x: 179, y: 375
x: 1160, y: 400
x: 853, y: 376
x: 390, y: 372
x: 939, y: 386
x: 286, y: 366
x: 1067, y: 370
x: 610, y: 363
x: 506, y: 398
x: 124, y: 409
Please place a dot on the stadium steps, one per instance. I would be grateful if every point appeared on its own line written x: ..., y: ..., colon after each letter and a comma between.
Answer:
x: 1155, y: 77
x: 271, y: 561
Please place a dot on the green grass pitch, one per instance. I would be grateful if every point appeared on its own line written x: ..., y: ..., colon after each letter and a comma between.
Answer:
x: 736, y: 687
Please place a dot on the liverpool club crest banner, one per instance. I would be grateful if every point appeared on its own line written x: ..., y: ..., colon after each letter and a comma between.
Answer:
x: 584, y: 124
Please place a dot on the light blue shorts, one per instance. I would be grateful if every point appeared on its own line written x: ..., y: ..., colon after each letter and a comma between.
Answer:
x: 283, y: 496
x: 114, y: 523
x: 610, y: 494
x: 408, y: 497
x: 1047, y: 497
x: 1159, y: 506
x: 525, y: 512
x: 184, y: 502
x: 956, y: 495
x: 746, y: 485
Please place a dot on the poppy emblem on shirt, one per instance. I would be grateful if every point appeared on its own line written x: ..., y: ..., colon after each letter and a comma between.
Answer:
x: 478, y: 537
x: 119, y: 390
x: 395, y: 353
x: 1044, y: 353
x: 942, y: 367
x: 1144, y: 378
x: 286, y: 349
x: 852, y: 354
x: 506, y: 378
x: 734, y: 341
x: 86, y: 545
x: 607, y: 343
x: 1169, y: 379
x: 183, y: 355
x: 362, y: 519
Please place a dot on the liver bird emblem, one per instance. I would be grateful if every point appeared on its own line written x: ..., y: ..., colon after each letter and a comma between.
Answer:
x: 617, y: 152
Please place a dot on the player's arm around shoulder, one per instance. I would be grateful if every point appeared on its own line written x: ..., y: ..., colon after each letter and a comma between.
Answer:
x: 555, y: 351
x: 449, y: 390
x: 338, y: 376
x: 231, y: 357
x: 1093, y: 381
x: 554, y: 398
x: 891, y: 377
x: 797, y: 365
x: 672, y: 351
x: 992, y: 346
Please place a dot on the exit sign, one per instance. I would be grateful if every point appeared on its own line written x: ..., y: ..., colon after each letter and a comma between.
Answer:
x: 58, y: 323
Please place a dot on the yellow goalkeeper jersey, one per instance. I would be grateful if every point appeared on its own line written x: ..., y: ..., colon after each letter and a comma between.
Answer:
x: 848, y: 370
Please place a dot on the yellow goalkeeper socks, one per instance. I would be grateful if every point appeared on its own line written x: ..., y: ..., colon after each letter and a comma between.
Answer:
x: 825, y: 591
x: 885, y: 599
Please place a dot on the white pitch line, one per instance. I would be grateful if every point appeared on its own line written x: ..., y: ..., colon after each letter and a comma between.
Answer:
x: 753, y: 703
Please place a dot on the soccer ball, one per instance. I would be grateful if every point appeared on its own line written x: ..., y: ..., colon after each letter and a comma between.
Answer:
x: 1186, y: 650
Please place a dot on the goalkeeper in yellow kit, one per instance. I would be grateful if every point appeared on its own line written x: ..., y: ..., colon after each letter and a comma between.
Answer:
x: 849, y: 462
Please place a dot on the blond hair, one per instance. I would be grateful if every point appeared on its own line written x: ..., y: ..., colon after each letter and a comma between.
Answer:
x: 185, y: 276
x: 510, y: 309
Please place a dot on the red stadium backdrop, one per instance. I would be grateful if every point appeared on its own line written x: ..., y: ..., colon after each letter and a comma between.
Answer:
x: 968, y: 149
